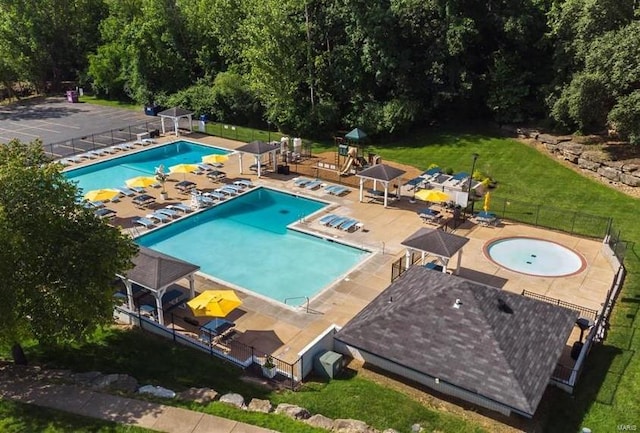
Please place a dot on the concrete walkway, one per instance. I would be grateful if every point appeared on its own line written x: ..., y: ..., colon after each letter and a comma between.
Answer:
x: 81, y: 401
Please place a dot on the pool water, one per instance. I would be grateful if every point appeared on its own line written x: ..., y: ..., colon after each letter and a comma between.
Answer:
x: 245, y: 242
x: 113, y: 173
x: 534, y: 257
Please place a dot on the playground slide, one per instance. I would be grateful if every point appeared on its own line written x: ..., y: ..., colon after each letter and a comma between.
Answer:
x: 347, y: 166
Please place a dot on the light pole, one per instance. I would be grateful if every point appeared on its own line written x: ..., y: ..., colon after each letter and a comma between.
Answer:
x: 269, y: 126
x: 473, y: 167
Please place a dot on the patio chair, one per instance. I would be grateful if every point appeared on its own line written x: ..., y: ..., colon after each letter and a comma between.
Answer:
x: 215, y: 195
x: 338, y: 222
x: 127, y: 191
x: 337, y: 190
x: 301, y: 181
x: 105, y: 213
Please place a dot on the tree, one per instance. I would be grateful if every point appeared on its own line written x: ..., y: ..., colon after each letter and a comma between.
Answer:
x: 58, y: 260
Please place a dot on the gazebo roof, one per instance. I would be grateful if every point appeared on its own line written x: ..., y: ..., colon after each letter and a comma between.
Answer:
x: 175, y: 112
x: 434, y: 241
x: 381, y: 172
x: 154, y: 270
x: 258, y: 147
x: 500, y: 345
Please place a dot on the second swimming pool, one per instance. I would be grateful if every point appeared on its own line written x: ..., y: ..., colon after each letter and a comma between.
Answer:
x: 245, y: 241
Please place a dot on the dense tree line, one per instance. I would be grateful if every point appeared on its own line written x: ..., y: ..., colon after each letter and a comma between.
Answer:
x: 318, y: 65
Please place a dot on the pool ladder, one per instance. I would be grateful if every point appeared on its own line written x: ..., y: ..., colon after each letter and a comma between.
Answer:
x: 299, y: 297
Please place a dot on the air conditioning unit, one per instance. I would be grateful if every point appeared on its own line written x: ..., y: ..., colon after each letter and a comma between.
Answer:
x: 328, y: 364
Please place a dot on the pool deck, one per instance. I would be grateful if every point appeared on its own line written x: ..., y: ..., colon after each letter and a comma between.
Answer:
x: 382, y: 232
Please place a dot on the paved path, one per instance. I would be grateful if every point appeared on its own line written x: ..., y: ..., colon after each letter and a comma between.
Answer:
x: 74, y: 399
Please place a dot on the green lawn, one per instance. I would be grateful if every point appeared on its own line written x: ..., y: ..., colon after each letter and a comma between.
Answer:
x: 91, y: 99
x: 24, y: 418
x: 609, y: 391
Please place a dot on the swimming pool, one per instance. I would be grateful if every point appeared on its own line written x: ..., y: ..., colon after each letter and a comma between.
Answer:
x: 114, y: 172
x: 533, y: 256
x: 245, y: 241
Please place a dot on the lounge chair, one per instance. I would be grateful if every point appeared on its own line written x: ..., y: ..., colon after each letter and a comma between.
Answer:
x: 157, y: 216
x: 349, y: 224
x: 244, y: 182
x: 237, y: 188
x: 313, y: 184
x: 226, y: 191
x: 327, y: 219
x: 147, y: 141
x: 336, y: 189
x: 205, y: 167
x: 301, y: 181
x: 215, y: 195
x: 168, y: 212
x: 143, y: 222
x: 337, y: 222
x: 126, y: 191
x: 105, y: 213
x: 180, y: 207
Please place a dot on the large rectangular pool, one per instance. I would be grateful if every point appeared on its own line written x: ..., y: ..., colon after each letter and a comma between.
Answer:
x: 245, y: 241
x: 114, y: 172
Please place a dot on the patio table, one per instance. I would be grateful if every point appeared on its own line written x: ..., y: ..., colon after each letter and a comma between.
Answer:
x: 215, y: 328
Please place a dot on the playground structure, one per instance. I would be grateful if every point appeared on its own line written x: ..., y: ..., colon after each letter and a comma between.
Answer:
x: 350, y: 156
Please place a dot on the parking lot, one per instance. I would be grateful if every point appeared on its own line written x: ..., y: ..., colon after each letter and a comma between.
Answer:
x: 68, y: 128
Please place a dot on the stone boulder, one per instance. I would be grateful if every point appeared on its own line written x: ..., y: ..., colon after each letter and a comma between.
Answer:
x: 86, y: 378
x: 390, y: 430
x: 609, y: 173
x: 293, y: 411
x: 552, y: 139
x: 198, y: 395
x: 629, y: 179
x: 233, y: 399
x: 320, y: 421
x: 351, y: 426
x: 416, y: 428
x: 258, y: 405
x: 631, y: 167
x: 588, y: 165
x: 116, y: 382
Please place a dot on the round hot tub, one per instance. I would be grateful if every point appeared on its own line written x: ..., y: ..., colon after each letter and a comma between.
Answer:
x: 533, y: 256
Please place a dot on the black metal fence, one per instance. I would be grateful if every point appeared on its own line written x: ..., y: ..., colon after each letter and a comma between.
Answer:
x: 587, y: 313
x: 616, y: 243
x: 542, y: 215
x: 233, y: 352
x: 400, y: 266
x: 67, y: 148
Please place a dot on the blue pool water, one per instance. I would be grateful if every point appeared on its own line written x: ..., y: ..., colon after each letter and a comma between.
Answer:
x: 114, y: 172
x: 245, y: 242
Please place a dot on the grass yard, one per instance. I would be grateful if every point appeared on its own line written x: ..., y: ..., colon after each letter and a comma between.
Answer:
x: 25, y: 418
x: 609, y: 391
x: 92, y: 99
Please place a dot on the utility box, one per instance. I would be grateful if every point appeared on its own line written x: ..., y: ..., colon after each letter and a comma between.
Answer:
x: 328, y: 364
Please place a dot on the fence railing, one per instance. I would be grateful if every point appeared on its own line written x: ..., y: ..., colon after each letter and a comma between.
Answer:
x: 542, y: 215
x: 100, y: 140
x: 400, y: 266
x: 587, y: 313
x: 233, y: 352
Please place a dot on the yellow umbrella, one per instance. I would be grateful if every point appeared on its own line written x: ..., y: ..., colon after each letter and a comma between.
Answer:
x: 432, y: 195
x: 102, y: 194
x: 183, y: 168
x: 487, y: 201
x: 141, y: 181
x: 214, y: 159
x: 215, y: 303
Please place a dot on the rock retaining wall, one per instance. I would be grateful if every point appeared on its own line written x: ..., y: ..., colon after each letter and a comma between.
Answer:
x: 587, y: 154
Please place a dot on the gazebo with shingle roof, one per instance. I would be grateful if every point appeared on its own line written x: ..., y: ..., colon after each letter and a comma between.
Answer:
x: 155, y: 272
x: 257, y: 149
x: 175, y: 114
x: 437, y: 242
x: 379, y: 173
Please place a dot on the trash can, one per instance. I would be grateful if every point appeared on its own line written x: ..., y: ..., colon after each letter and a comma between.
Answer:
x: 151, y: 110
x: 72, y: 96
x: 204, y: 117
